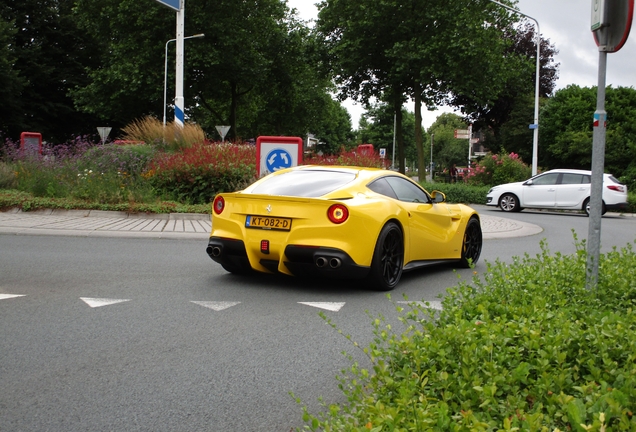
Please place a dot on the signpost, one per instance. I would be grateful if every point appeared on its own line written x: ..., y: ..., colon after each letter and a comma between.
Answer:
x: 276, y: 153
x: 466, y: 134
x: 103, y: 133
x: 179, y: 6
x: 611, y: 23
x: 222, y: 130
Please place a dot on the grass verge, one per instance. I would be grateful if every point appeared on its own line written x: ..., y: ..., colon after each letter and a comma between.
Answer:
x: 28, y: 202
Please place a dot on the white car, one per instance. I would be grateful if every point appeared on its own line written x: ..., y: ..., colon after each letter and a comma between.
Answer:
x: 564, y: 189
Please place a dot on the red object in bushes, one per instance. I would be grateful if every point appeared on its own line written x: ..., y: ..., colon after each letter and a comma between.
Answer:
x: 31, y: 142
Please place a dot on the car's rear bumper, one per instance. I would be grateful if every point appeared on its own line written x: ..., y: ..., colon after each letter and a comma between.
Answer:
x: 313, y: 261
x: 617, y: 206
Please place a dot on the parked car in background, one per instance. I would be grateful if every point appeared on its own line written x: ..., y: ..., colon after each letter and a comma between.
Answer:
x: 564, y: 189
x: 340, y: 222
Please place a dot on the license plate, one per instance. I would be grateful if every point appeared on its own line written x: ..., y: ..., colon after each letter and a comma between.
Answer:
x: 266, y: 222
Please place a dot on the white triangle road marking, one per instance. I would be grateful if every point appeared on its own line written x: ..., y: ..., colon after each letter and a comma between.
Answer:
x: 432, y: 304
x: 330, y: 306
x: 98, y: 302
x: 8, y: 296
x: 217, y: 306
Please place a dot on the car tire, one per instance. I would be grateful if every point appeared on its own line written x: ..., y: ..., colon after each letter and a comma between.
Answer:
x: 388, y: 259
x: 586, y: 207
x: 472, y: 243
x: 509, y: 203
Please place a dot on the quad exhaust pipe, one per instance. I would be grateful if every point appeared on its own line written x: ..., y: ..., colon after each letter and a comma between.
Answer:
x: 321, y: 262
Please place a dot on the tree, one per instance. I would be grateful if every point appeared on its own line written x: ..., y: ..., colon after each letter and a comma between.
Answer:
x: 253, y: 70
x: 515, y: 104
x: 11, y: 83
x: 47, y: 54
x: 396, y: 48
x: 377, y: 128
x: 448, y: 150
x: 567, y: 130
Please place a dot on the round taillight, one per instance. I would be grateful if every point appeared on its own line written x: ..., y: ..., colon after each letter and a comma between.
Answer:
x: 338, y: 213
x: 218, y: 205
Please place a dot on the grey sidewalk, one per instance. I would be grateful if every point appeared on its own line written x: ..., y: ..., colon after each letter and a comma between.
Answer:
x: 95, y: 223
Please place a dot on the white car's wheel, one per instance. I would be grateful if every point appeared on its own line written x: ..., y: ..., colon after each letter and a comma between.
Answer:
x: 509, y: 203
x: 586, y: 207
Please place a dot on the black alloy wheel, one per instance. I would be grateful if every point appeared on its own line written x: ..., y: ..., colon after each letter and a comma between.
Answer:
x: 388, y: 259
x: 473, y: 241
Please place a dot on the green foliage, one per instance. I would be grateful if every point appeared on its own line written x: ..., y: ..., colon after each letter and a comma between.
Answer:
x: 498, y: 169
x: 349, y: 158
x: 196, y: 174
x: 376, y: 127
x: 47, y: 56
x: 526, y: 347
x: 28, y: 202
x: 459, y: 192
x: 130, y: 160
x: 7, y: 176
x: 567, y: 130
x: 448, y: 150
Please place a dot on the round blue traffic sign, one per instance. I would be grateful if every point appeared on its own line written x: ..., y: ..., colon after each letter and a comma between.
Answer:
x: 278, y: 159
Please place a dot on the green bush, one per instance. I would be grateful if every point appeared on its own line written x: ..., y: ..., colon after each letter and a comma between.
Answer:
x: 28, y: 202
x: 459, y: 192
x: 7, y: 176
x: 131, y: 160
x: 498, y: 169
x: 41, y: 178
x: 196, y: 174
x: 527, y: 347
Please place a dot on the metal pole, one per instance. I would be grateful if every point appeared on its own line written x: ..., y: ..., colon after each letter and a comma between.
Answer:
x: 432, y: 141
x: 165, y: 73
x: 394, y: 128
x: 470, y: 138
x: 179, y: 102
x: 598, y: 167
x: 535, y: 125
x: 165, y: 81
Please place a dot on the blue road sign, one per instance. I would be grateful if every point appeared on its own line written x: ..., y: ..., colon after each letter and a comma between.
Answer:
x: 278, y: 159
x: 172, y: 4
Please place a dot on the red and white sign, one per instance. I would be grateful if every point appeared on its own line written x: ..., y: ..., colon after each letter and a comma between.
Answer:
x: 611, y: 23
x: 276, y: 153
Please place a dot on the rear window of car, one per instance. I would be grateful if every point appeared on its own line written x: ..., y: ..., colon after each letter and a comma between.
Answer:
x: 304, y: 183
x: 572, y: 178
x: 615, y: 180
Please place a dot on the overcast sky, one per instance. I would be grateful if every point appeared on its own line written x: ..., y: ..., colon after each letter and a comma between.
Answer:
x: 566, y: 23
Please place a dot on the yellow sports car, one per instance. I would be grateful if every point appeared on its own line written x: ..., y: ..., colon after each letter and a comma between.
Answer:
x: 343, y: 222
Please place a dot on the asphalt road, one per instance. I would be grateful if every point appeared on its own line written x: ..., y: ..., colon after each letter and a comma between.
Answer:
x: 192, y: 348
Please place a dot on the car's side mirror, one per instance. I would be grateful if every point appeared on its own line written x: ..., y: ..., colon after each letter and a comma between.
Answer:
x: 438, y: 197
x: 528, y: 183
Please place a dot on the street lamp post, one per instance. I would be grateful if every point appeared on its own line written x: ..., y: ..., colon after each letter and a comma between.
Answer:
x: 535, y: 125
x: 165, y: 72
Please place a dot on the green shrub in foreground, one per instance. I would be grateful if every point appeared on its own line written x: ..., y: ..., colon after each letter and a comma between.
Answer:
x: 459, y: 192
x: 525, y: 348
